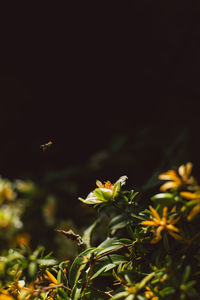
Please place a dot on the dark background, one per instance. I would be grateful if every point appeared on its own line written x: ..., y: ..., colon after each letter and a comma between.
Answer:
x: 83, y: 74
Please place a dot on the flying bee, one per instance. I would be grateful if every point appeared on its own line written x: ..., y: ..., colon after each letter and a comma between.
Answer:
x: 44, y: 147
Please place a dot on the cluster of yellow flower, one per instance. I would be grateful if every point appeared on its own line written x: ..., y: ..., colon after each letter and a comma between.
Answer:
x: 187, y: 187
x: 18, y: 290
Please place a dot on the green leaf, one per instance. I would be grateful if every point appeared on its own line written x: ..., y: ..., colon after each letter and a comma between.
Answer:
x: 167, y: 291
x: 162, y: 196
x: 118, y: 222
x: 62, y: 294
x: 137, y: 217
x: 32, y: 268
x: 133, y: 195
x: 186, y: 273
x: 76, y: 292
x: 145, y: 280
x: 47, y: 262
x: 103, y: 194
x: 86, y: 237
x: 59, y: 277
x: 120, y: 295
x: 108, y: 242
x: 91, y: 199
x: 102, y: 267
x: 77, y: 266
x: 107, y: 263
x: 118, y: 184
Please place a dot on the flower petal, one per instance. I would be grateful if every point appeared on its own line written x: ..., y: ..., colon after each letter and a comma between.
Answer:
x: 154, y: 213
x: 172, y: 227
x: 191, y: 196
x: 99, y: 183
x: 149, y: 223
x: 194, y: 212
x: 165, y: 209
x: 182, y: 171
x: 175, y: 235
x: 169, y: 175
x: 174, y: 220
x: 188, y: 168
x: 169, y: 185
x: 156, y: 239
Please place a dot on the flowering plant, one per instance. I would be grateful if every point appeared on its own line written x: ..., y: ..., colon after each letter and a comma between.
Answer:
x: 136, y: 248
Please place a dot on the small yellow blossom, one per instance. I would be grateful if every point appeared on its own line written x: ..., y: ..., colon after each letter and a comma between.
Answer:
x: 177, y: 179
x: 51, y: 277
x: 4, y: 295
x: 162, y: 223
x: 196, y: 198
x: 31, y: 292
x: 149, y: 294
x: 132, y: 290
x: 23, y: 239
x: 106, y: 185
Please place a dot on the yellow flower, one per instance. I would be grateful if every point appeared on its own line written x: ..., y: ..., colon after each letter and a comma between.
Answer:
x: 196, y: 198
x: 51, y: 278
x: 178, y: 178
x: 31, y: 292
x: 149, y: 294
x: 23, y: 239
x: 162, y: 223
x: 107, y: 185
x: 4, y: 295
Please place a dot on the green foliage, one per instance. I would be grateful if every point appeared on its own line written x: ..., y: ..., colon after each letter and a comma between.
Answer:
x: 129, y: 252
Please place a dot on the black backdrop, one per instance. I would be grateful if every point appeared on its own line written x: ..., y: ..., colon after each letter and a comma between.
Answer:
x: 78, y: 74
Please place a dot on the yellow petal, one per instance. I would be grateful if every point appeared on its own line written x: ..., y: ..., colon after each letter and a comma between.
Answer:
x: 191, y: 196
x: 173, y: 209
x: 188, y: 168
x: 156, y: 239
x: 182, y: 171
x: 149, y: 223
x: 158, y: 231
x: 175, y: 235
x: 174, y: 220
x: 172, y: 227
x: 165, y: 209
x: 154, y: 213
x: 51, y: 277
x: 169, y: 185
x: 99, y: 183
x: 194, y: 212
x: 169, y: 175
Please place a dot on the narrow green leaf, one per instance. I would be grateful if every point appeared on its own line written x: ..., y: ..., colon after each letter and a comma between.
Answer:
x: 76, y: 292
x: 167, y: 291
x: 102, y: 267
x: 162, y: 196
x: 77, y: 266
x: 186, y: 273
x: 32, y: 268
x: 86, y: 237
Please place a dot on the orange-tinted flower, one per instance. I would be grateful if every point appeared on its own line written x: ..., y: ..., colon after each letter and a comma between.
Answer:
x: 162, y: 223
x: 4, y: 295
x: 107, y: 184
x: 23, y: 239
x: 51, y: 278
x: 194, y: 197
x: 149, y: 294
x: 177, y: 179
